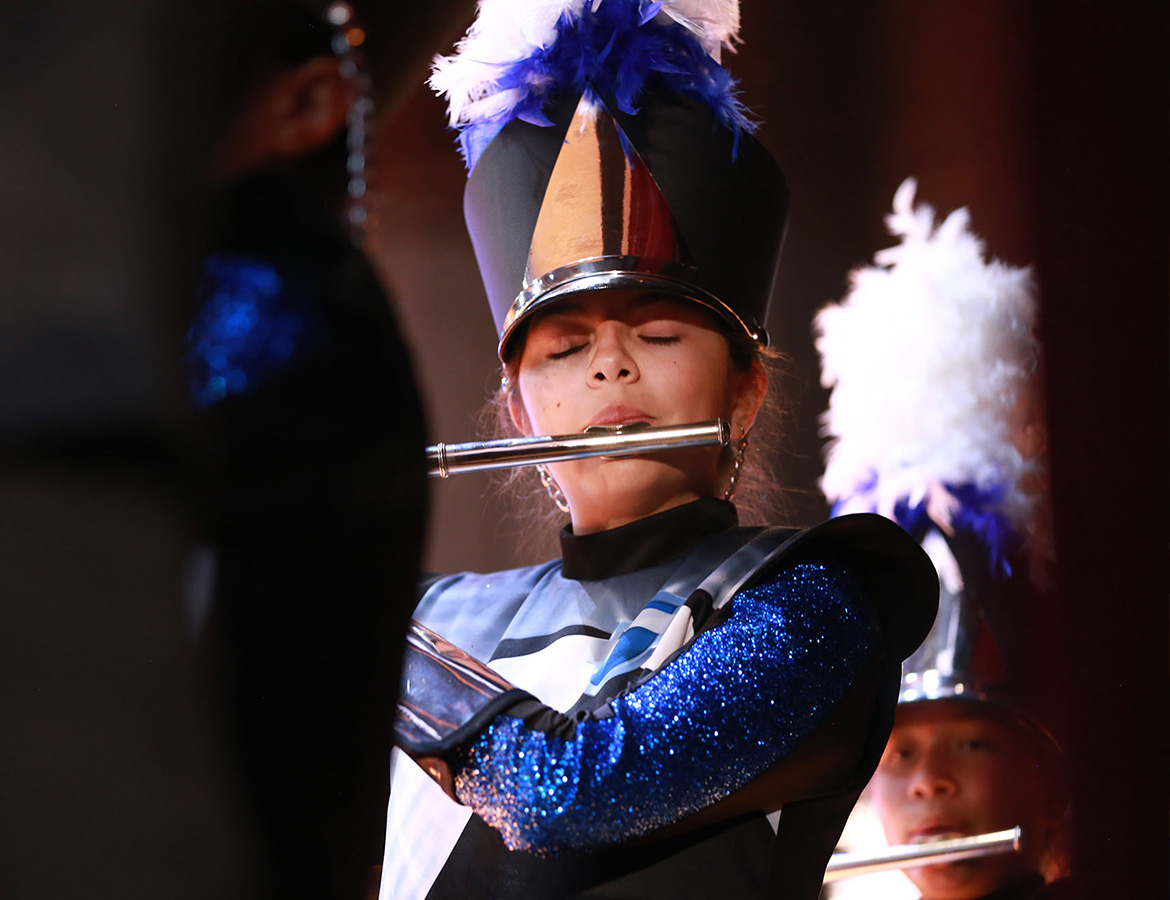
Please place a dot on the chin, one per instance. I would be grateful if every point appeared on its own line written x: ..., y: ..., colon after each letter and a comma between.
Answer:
x: 633, y: 488
x: 633, y: 476
x: 963, y: 880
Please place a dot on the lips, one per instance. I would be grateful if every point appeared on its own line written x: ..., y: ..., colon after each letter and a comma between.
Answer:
x: 620, y: 415
x: 937, y: 831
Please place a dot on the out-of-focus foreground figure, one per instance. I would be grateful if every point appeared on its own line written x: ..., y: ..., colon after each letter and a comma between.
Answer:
x: 118, y: 778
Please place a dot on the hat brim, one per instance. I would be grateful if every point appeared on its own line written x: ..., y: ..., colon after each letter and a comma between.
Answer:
x: 614, y: 273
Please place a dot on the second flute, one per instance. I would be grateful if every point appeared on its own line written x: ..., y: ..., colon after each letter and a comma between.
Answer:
x: 444, y: 460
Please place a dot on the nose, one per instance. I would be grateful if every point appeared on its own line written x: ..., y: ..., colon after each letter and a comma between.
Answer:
x: 931, y: 778
x: 611, y: 360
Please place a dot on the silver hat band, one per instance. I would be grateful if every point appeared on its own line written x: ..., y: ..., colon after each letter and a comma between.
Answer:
x: 611, y: 272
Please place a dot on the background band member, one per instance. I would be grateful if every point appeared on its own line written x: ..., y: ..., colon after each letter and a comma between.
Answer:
x: 933, y: 363
x: 954, y: 768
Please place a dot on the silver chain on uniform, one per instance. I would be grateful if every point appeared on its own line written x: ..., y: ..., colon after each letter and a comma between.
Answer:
x: 347, y: 37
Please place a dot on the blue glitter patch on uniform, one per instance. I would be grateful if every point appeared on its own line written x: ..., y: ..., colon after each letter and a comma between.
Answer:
x: 249, y: 326
x: 734, y: 704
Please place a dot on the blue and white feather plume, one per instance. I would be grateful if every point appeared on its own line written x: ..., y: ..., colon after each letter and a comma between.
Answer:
x: 521, y: 54
x: 930, y: 357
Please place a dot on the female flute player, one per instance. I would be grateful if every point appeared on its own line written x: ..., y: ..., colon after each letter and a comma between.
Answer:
x: 678, y: 706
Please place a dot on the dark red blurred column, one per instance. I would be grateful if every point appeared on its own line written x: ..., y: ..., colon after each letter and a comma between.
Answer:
x: 1048, y: 120
x: 1101, y: 125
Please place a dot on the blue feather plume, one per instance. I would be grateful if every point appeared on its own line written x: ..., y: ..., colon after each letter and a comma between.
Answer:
x: 614, y: 50
x: 980, y: 513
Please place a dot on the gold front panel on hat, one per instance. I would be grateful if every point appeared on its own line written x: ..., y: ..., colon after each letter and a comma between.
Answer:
x: 601, y: 202
x: 605, y: 223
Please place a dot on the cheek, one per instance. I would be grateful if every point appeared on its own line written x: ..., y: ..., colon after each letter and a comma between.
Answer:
x: 701, y: 386
x: 1000, y: 788
x: 543, y: 402
x: 888, y: 794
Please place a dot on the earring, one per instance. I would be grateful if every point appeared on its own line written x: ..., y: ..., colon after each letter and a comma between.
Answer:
x: 740, y: 450
x: 554, y: 489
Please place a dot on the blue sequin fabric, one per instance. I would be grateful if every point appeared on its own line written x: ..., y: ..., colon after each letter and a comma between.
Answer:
x: 249, y: 325
x: 735, y: 703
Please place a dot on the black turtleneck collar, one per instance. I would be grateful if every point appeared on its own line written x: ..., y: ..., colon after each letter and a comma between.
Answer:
x: 647, y: 542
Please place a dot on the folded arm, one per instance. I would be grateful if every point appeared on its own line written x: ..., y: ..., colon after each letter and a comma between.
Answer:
x: 739, y: 699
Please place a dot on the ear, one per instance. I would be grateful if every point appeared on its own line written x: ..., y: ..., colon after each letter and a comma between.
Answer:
x: 517, y: 412
x: 290, y: 113
x: 749, y: 389
x: 308, y: 107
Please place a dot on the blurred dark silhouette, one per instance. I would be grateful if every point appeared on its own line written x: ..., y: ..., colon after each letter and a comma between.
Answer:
x: 120, y: 778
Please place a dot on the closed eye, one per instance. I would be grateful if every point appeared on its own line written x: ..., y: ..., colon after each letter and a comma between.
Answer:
x: 895, y: 756
x: 659, y: 339
x: 569, y: 351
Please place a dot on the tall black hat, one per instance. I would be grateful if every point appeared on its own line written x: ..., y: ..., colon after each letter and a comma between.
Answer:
x: 608, y: 151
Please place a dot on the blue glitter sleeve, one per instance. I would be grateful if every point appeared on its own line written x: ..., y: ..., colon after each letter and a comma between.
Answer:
x: 732, y: 705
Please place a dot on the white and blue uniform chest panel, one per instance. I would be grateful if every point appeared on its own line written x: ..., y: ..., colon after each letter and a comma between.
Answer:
x: 556, y: 638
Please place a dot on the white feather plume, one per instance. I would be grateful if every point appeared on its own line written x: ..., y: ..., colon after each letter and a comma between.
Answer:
x: 927, y: 358
x: 715, y: 22
x: 506, y: 31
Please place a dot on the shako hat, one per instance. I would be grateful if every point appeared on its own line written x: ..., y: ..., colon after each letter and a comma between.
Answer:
x: 607, y: 149
x: 931, y: 359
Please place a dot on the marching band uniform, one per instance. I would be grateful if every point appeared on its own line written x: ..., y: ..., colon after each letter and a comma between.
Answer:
x: 648, y: 724
x: 662, y: 666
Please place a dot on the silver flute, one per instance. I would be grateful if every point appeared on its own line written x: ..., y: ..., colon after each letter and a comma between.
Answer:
x: 444, y: 460
x: 909, y: 856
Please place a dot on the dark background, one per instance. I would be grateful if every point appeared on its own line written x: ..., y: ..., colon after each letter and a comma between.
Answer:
x: 1046, y: 119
